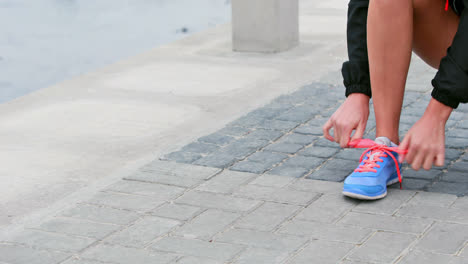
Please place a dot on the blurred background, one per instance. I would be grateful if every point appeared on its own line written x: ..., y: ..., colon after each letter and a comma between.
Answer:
x: 43, y: 42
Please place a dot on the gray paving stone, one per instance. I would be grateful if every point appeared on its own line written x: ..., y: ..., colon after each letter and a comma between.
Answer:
x: 323, y: 142
x: 217, y: 201
x: 197, y: 248
x: 125, y: 255
x: 457, y: 133
x: 298, y: 139
x: 234, y: 131
x: 325, y: 174
x: 53, y: 241
x: 14, y: 254
x: 416, y: 256
x: 250, y: 166
x: 200, y: 147
x: 217, y: 139
x: 386, y: 222
x: 300, y: 113
x: 341, y: 165
x: 101, y: 214
x: 317, y: 151
x: 289, y: 148
x: 125, y: 201
x: 219, y: 159
x: 247, y: 142
x: 226, y: 181
x: 444, y: 238
x: 247, y: 121
x: 435, y: 212
x: 197, y: 260
x: 458, y: 143
x: 262, y: 256
x: 436, y: 199
x: 383, y: 247
x: 289, y: 99
x: 463, y: 124
x: 303, y: 162
x: 81, y: 261
x: 455, y: 176
x: 459, y: 260
x: 281, y: 195
x: 289, y: 171
x: 412, y: 184
x: 309, y: 129
x: 142, y: 232
x: 452, y: 154
x: 449, y: 187
x: 459, y: 166
x: 334, y: 170
x: 421, y: 174
x: 207, y: 224
x: 317, y: 186
x: 261, y: 239
x: 182, y: 156
x: 180, y: 169
x: 155, y: 177
x: 319, y: 251
x: 267, y: 216
x: 267, y: 157
x: 77, y: 227
x: 272, y: 181
x: 324, y: 231
x: 327, y: 209
x: 265, y: 134
x: 173, y: 173
x: 279, y: 125
x: 176, y: 211
x: 156, y: 191
x: 409, y: 119
x: 461, y: 203
x: 267, y: 112
x: 395, y: 198
x: 350, y: 154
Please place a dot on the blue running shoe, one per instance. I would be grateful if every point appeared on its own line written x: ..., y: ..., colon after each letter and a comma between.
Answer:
x: 378, y: 168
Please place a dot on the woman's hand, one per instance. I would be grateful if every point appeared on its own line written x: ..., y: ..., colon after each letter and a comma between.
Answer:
x: 425, y: 141
x: 351, y: 115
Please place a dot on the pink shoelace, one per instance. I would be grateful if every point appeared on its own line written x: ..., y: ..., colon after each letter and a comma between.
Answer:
x: 374, y: 153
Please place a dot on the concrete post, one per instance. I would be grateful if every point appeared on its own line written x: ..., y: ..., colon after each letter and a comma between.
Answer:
x: 265, y: 25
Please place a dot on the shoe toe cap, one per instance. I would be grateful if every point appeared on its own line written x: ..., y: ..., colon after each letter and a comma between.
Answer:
x: 364, y: 189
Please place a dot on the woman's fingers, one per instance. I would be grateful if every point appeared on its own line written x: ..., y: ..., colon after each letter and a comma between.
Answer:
x: 326, y: 130
x: 404, y: 146
x: 428, y: 161
x: 359, y: 131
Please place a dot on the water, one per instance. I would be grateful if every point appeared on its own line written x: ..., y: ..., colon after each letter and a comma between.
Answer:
x: 43, y: 42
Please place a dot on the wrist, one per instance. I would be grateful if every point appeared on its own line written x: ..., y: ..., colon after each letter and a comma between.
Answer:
x: 359, y: 97
x: 438, y: 110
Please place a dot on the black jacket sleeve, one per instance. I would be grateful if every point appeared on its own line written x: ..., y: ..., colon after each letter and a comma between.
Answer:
x: 451, y: 81
x: 355, y: 72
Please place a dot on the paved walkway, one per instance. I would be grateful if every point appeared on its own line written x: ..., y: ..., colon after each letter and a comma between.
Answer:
x: 264, y: 189
x: 170, y: 212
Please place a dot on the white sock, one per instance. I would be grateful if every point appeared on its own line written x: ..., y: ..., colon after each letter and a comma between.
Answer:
x: 385, y: 141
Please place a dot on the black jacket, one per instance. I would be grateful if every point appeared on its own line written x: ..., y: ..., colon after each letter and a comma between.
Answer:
x: 451, y: 81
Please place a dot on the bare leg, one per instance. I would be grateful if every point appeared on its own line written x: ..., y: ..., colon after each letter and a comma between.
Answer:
x: 395, y: 27
x: 389, y: 42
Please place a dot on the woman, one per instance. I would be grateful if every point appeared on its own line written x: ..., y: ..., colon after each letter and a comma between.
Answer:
x: 381, y: 36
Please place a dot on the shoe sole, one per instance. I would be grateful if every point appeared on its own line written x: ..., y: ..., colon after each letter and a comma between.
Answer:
x: 364, y: 197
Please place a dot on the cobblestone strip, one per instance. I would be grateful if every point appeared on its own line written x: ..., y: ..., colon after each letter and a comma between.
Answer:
x: 284, y: 138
